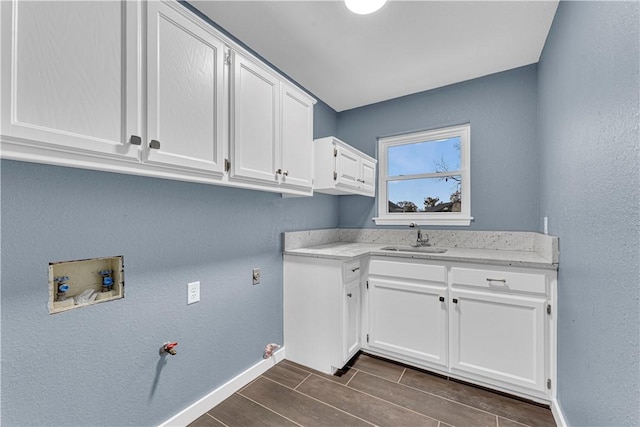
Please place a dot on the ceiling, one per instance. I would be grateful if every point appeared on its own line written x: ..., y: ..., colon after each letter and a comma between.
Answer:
x: 350, y: 60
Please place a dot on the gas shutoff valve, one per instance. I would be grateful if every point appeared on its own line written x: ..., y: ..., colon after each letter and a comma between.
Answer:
x: 169, y: 347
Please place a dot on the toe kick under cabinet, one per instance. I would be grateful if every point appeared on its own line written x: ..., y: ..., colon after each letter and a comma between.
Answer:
x: 490, y: 325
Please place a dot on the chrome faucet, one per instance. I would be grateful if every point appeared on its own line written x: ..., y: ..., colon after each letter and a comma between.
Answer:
x: 420, y: 241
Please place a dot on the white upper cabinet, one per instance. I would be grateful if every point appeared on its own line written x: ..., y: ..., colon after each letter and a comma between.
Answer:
x: 271, y: 128
x: 70, y: 80
x: 341, y: 169
x: 204, y: 110
x: 255, y: 128
x: 185, y: 91
x: 297, y: 138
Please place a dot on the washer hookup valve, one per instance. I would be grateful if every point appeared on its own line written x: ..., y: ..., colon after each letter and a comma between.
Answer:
x: 62, y: 287
x: 107, y: 280
x: 168, y: 347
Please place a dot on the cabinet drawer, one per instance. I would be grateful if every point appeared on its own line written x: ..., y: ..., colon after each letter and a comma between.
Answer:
x: 499, y: 280
x: 350, y: 271
x: 407, y: 269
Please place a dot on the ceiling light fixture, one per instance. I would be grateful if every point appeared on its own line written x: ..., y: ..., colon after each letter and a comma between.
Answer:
x: 364, y: 7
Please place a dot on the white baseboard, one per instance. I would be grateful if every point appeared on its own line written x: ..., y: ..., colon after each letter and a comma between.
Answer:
x: 557, y: 413
x: 194, y: 411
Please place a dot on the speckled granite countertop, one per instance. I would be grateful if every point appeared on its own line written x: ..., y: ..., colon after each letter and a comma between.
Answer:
x: 524, y: 249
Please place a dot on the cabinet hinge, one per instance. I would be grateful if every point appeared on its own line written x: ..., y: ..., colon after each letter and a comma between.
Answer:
x: 227, y: 165
x: 367, y: 284
x: 335, y: 176
x: 549, y: 384
x: 335, y: 152
x: 227, y: 58
x: 548, y: 308
x: 367, y: 337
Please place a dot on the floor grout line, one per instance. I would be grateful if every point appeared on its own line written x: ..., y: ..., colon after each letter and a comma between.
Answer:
x: 402, y: 375
x: 216, y: 419
x: 325, y: 403
x: 383, y: 400
x: 301, y: 382
x: 434, y: 395
x: 356, y: 371
x: 269, y: 409
x: 352, y: 376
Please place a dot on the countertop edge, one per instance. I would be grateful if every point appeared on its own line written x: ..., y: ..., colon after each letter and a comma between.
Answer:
x: 435, y: 257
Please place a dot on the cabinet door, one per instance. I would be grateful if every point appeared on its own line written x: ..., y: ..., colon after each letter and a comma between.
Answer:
x: 368, y: 177
x: 185, y: 91
x: 351, y: 320
x: 408, y: 319
x: 499, y: 337
x: 297, y: 138
x: 255, y: 129
x: 347, y: 168
x: 70, y: 73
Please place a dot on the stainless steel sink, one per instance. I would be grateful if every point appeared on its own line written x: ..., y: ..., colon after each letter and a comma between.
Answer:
x: 422, y: 249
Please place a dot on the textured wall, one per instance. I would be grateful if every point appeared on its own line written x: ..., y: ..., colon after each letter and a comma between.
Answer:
x: 588, y: 132
x: 99, y: 365
x: 504, y: 158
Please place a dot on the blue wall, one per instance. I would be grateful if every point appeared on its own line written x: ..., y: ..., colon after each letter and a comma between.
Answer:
x: 588, y: 103
x: 504, y: 157
x: 99, y: 365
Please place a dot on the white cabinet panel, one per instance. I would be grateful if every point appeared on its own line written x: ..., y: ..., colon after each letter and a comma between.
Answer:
x: 297, y: 138
x: 352, y: 317
x: 368, y: 176
x: 255, y: 129
x: 499, y: 337
x: 185, y: 91
x: 408, y: 319
x: 70, y: 78
x: 347, y: 168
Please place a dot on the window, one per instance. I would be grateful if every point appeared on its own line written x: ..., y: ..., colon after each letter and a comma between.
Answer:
x: 424, y: 178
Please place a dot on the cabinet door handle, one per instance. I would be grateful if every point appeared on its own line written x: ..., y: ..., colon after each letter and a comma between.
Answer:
x: 441, y: 299
x: 455, y: 300
x: 285, y: 173
x: 135, y: 140
x: 360, y: 180
x: 279, y: 172
x: 155, y: 144
x: 349, y: 295
x: 355, y: 269
x: 503, y: 281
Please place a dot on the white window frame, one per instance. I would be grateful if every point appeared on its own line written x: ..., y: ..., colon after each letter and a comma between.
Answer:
x: 462, y: 218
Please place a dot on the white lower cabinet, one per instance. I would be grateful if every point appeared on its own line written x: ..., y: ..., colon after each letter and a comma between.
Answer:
x: 321, y: 311
x: 499, y: 338
x: 408, y: 311
x: 490, y: 325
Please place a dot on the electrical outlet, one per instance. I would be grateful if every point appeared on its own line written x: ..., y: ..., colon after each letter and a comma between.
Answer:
x: 256, y: 276
x: 193, y: 292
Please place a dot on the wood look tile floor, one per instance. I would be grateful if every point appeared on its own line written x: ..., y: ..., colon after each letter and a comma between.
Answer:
x: 372, y: 391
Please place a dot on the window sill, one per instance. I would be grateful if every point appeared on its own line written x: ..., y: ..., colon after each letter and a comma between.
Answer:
x: 420, y: 220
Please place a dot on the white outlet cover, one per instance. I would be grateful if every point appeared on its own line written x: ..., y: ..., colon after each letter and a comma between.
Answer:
x: 193, y: 292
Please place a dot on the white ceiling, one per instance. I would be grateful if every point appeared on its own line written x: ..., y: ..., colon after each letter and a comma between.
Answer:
x: 350, y: 60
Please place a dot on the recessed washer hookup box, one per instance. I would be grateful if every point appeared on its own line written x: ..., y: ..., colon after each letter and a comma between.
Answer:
x: 74, y: 284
